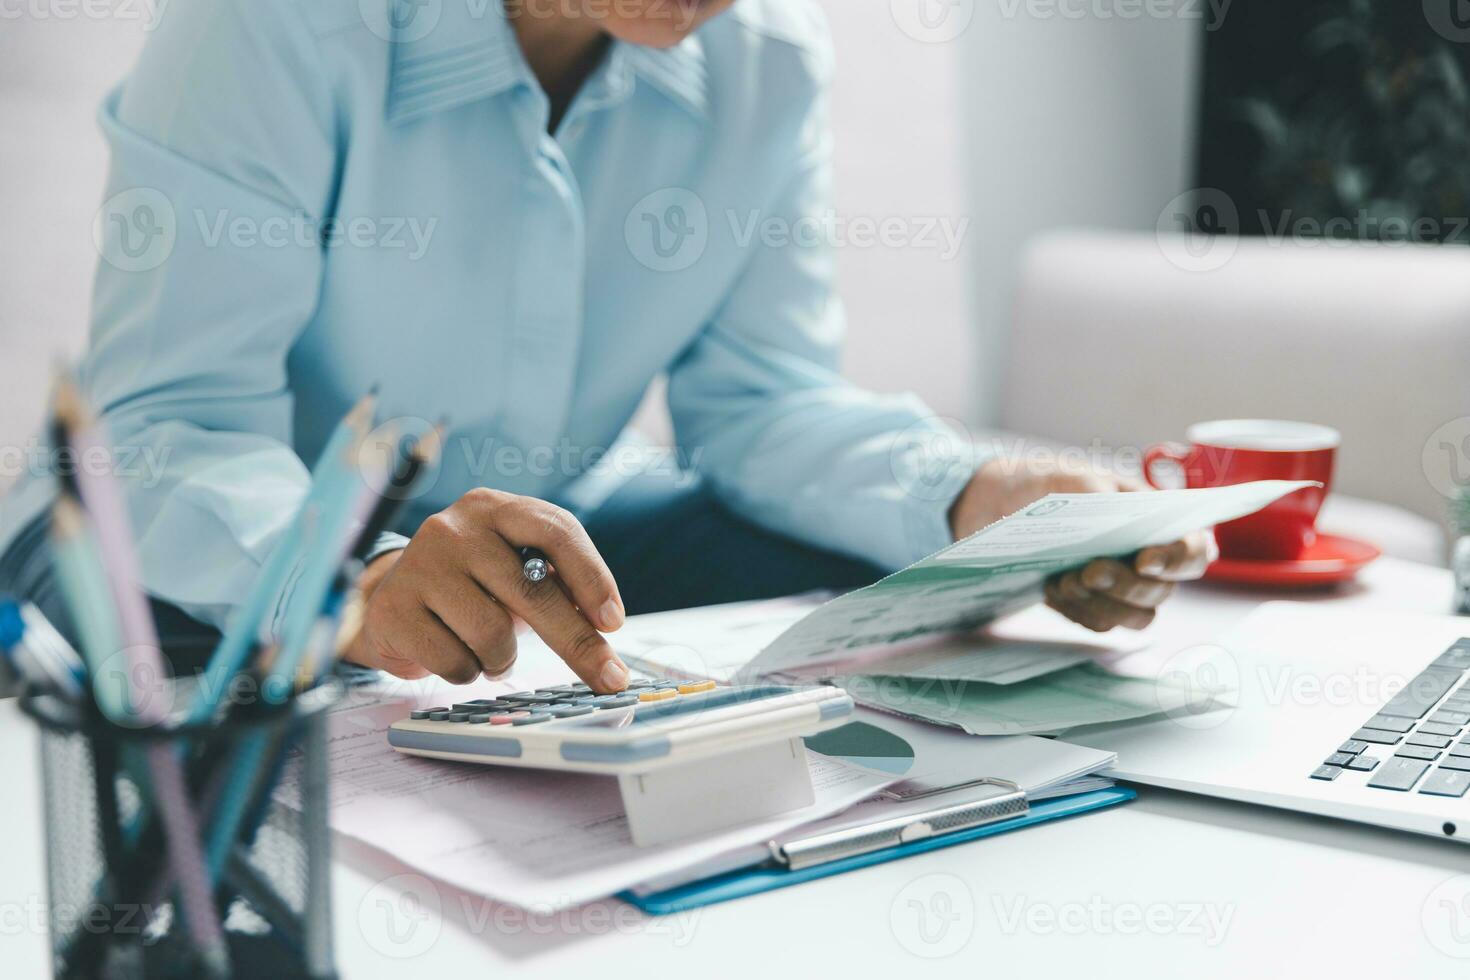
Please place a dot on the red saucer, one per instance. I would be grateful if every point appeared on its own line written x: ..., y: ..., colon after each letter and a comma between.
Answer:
x: 1331, y: 558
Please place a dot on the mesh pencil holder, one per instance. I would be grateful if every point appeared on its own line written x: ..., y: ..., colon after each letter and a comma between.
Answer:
x: 120, y: 905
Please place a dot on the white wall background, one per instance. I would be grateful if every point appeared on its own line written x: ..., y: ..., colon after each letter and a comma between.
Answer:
x: 1072, y: 121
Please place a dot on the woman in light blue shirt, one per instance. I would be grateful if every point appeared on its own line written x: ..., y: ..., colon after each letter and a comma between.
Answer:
x: 516, y: 217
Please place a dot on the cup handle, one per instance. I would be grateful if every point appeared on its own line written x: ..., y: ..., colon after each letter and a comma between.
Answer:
x: 1171, y: 451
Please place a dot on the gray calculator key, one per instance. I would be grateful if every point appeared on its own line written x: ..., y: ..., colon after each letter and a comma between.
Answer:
x: 1455, y: 762
x: 419, y: 714
x: 572, y: 710
x: 540, y: 709
x: 1352, y: 746
x: 1386, y: 724
x: 639, y: 684
x: 438, y: 714
x: 470, y: 706
x: 1437, y: 728
x: 619, y: 701
x: 1446, y: 782
x: 479, y: 719
x: 1422, y: 693
x: 1328, y: 773
x: 532, y: 719
x: 458, y: 716
x: 1337, y: 759
x: 1399, y: 774
x: 1362, y: 763
x: 1431, y: 741
x: 1459, y: 701
x: 1442, y: 717
x: 1462, y: 747
x: 1415, y: 752
x: 1375, y: 736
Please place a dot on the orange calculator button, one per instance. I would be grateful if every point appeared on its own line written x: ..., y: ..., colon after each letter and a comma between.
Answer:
x: 696, y: 687
x: 663, y: 694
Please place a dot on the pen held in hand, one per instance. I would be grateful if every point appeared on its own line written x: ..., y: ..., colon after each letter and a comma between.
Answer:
x: 534, y: 564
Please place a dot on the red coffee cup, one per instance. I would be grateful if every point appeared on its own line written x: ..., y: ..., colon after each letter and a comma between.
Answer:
x: 1242, y: 450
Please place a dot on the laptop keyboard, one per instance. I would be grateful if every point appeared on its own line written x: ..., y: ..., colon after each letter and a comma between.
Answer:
x: 1418, y: 739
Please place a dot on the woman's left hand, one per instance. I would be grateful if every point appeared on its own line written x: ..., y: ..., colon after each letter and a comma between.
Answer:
x: 1107, y: 592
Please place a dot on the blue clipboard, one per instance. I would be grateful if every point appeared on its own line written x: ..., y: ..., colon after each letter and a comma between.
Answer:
x: 768, y: 877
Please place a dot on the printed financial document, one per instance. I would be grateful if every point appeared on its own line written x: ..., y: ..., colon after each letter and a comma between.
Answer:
x: 1001, y: 568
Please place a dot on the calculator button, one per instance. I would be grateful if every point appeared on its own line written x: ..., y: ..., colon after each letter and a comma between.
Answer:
x: 470, y: 706
x: 1352, y: 746
x: 1338, y: 759
x: 662, y: 694
x: 419, y: 714
x: 1361, y: 763
x: 479, y: 719
x: 508, y: 718
x: 458, y: 716
x: 438, y: 714
x: 572, y: 710
x: 1328, y: 773
x: 531, y: 720
x: 638, y: 685
x: 697, y: 687
x: 543, y: 709
x: 618, y: 701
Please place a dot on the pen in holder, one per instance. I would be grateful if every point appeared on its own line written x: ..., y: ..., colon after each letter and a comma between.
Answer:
x: 119, y: 904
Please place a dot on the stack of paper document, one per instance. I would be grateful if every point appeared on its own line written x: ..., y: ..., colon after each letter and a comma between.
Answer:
x: 546, y: 840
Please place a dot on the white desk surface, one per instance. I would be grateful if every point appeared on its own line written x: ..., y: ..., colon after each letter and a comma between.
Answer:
x: 1167, y: 886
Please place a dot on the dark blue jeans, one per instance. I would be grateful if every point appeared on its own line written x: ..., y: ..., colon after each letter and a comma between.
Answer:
x: 668, y: 546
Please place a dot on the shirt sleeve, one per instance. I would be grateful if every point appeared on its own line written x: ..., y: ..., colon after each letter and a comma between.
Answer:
x: 761, y: 409
x: 223, y: 160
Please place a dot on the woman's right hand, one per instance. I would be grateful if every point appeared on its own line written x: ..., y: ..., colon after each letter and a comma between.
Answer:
x: 448, y: 604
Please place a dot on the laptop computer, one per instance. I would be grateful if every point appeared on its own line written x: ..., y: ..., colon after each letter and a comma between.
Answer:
x: 1355, y: 715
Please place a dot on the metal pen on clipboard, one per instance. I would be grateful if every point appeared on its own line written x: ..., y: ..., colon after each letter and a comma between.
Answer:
x: 849, y: 842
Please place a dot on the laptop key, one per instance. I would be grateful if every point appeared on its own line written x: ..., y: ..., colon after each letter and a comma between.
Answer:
x: 1457, y: 656
x: 1398, y: 774
x: 1352, y: 746
x: 1455, y: 762
x: 1416, y: 752
x: 1338, y: 759
x: 1415, y: 700
x: 1386, y: 724
x: 1432, y: 741
x: 1362, y: 763
x: 1446, y: 782
x: 1328, y: 773
x: 1435, y: 728
x: 1375, y: 736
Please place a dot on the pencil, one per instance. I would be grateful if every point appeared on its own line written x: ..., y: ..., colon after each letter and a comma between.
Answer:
x: 243, y: 632
x: 80, y: 573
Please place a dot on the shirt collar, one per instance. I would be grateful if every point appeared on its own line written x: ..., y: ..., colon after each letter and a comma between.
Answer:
x: 447, y: 53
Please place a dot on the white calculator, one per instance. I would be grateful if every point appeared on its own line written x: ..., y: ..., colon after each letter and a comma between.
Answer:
x: 690, y: 757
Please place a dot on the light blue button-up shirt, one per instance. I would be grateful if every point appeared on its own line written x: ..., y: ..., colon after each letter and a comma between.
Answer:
x: 310, y: 197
